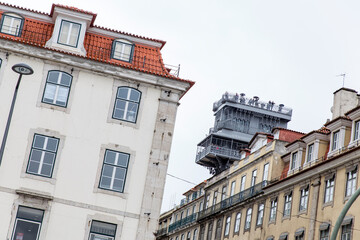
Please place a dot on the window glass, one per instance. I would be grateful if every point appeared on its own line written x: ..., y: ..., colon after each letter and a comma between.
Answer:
x: 273, y: 209
x: 329, y: 190
x: 287, y: 205
x: 350, y: 182
x: 114, y: 170
x: 102, y: 231
x: 248, y: 218
x: 335, y: 143
x: 27, y: 223
x: 310, y: 152
x: 42, y: 155
x: 304, y: 198
x: 237, y: 223
x: 324, y: 234
x: 57, y: 88
x: 294, y: 161
x: 357, y: 132
x: 122, y: 50
x: 227, y: 226
x: 346, y: 232
x: 11, y: 24
x: 195, y: 234
x: 126, y: 104
x: 69, y: 33
x: 260, y: 215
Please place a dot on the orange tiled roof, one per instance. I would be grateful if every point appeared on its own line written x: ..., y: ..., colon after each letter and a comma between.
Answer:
x: 98, y: 47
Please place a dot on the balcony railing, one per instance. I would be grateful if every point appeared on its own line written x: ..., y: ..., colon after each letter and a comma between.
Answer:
x: 231, y: 201
x: 216, y: 150
x: 161, y: 232
x: 182, y: 222
x: 254, y: 102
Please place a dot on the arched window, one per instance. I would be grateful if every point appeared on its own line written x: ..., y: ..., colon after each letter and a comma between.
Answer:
x: 11, y: 24
x: 188, y: 237
x: 126, y: 104
x: 57, y: 88
x: 122, y: 50
x: 195, y: 234
x: 237, y: 223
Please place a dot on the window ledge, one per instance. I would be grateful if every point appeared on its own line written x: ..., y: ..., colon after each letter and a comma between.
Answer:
x: 327, y: 204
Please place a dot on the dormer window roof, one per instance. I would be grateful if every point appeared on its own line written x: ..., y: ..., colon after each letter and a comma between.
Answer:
x: 70, y: 28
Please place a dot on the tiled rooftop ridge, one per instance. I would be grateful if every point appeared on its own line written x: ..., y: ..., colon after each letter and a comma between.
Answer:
x: 98, y: 47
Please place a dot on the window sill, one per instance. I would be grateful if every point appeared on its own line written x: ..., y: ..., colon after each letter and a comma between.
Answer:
x: 327, y: 204
x: 111, y: 193
x: 287, y: 217
x: 272, y: 222
x: 38, y: 178
x: 53, y: 107
x: 302, y: 212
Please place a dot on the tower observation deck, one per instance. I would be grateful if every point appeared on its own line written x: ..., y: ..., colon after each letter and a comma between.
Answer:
x: 237, y: 119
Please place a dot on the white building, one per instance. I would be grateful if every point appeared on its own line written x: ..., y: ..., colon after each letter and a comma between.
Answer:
x: 87, y: 148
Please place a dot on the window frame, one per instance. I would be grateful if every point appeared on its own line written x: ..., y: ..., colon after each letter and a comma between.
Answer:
x: 227, y: 226
x: 247, y: 224
x: 287, y: 204
x: 260, y: 214
x: 127, y: 101
x: 329, y: 196
x: 10, y: 14
x: 294, y: 163
x: 124, y: 42
x: 237, y: 223
x: 102, y: 234
x: 356, y: 130
x: 113, y: 165
x: 335, y: 140
x: 61, y: 27
x: 273, y: 210
x: 57, y: 85
x: 353, y: 182
x: 347, y: 227
x: 42, y: 150
x: 195, y: 234
x: 310, y: 153
x: 304, y: 195
x: 17, y: 218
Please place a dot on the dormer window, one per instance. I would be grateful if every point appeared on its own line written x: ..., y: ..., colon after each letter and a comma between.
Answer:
x: 335, y: 140
x: 122, y: 50
x: 11, y: 24
x: 69, y: 33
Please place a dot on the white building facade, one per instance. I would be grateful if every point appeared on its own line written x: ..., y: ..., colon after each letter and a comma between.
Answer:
x: 88, y: 143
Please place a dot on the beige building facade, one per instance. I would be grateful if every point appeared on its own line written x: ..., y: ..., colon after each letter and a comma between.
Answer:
x: 311, y: 178
x: 88, y: 142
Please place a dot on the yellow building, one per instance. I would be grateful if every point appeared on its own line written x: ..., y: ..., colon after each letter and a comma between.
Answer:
x: 299, y: 195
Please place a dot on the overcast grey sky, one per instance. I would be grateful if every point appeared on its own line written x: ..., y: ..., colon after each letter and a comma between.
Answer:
x: 288, y: 51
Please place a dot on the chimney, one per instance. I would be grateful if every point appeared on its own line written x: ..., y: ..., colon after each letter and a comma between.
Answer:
x: 345, y: 99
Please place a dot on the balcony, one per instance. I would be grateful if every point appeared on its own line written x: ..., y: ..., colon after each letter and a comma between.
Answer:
x: 182, y: 222
x: 161, y: 232
x: 233, y: 200
x: 213, y: 149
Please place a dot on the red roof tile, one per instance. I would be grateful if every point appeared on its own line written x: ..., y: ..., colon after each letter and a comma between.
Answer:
x: 98, y: 47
